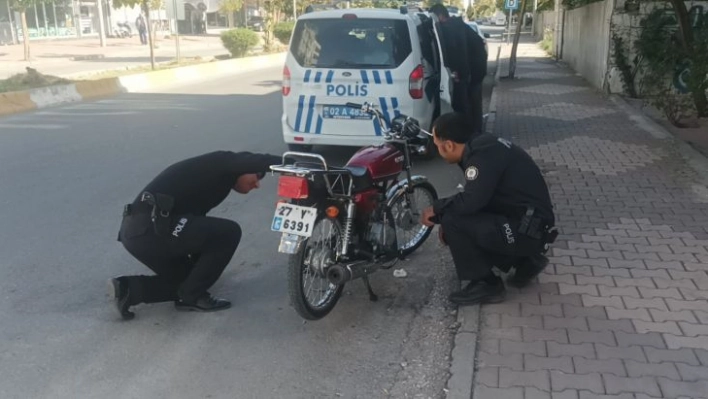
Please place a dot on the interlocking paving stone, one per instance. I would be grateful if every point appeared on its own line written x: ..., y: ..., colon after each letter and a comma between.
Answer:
x: 622, y: 308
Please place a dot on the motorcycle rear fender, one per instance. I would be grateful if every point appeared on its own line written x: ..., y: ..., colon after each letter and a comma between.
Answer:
x: 402, y: 185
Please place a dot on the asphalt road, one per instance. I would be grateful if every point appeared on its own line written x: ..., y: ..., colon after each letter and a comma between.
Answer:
x: 66, y: 173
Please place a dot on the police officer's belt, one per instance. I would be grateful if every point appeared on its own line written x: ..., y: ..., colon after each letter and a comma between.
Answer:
x: 536, y: 227
x: 159, y: 206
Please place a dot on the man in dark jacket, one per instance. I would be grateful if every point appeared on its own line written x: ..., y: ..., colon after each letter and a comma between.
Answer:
x: 464, y: 54
x: 504, y: 217
x: 166, y: 228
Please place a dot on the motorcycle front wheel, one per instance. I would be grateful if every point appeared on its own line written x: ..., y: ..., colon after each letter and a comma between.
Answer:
x: 311, y: 293
x: 406, y: 210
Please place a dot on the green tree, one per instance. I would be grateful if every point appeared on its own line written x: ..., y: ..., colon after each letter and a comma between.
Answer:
x: 481, y: 8
x: 146, y: 6
x: 21, y: 6
x: 229, y: 7
x: 695, y: 51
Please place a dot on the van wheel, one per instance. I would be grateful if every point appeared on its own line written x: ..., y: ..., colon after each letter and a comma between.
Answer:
x: 300, y: 147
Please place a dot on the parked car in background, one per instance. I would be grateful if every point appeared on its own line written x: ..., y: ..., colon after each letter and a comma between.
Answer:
x: 454, y: 11
x: 255, y: 23
x: 484, y: 36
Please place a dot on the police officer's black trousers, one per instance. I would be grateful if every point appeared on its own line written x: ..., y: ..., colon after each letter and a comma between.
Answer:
x: 467, y: 99
x: 475, y: 106
x: 481, y: 241
x: 186, y: 263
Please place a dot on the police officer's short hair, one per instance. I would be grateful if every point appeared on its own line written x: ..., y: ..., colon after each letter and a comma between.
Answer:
x: 440, y: 10
x: 453, y: 126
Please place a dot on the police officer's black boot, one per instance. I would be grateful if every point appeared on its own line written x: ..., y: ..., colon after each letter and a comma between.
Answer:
x: 205, y: 303
x: 121, y: 297
x: 488, y: 290
x: 527, y: 270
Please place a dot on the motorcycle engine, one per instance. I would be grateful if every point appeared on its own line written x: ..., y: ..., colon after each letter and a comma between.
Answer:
x: 382, y: 235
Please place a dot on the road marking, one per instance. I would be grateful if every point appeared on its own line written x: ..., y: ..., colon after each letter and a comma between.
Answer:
x: 59, y: 113
x: 29, y: 126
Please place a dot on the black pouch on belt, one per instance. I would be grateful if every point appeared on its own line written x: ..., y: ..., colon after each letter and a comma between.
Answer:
x: 531, y: 225
x: 161, y: 212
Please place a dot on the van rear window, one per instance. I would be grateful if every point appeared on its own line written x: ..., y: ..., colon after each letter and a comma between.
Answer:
x: 351, y: 43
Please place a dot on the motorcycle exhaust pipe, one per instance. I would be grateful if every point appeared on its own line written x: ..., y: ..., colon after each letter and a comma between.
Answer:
x: 340, y: 274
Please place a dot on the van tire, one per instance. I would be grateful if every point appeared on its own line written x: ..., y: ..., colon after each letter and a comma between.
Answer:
x: 300, y: 147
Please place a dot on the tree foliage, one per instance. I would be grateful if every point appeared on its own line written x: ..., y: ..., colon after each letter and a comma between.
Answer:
x: 283, y: 31
x: 229, y: 7
x: 239, y: 41
x: 670, y: 53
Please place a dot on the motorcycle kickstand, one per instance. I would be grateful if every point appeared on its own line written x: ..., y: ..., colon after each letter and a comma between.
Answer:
x: 372, y: 296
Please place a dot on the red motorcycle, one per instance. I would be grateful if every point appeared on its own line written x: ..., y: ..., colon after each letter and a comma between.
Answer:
x: 344, y: 223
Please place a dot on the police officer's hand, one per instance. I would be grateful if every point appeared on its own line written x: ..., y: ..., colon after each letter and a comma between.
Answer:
x: 425, y: 218
x: 441, y: 236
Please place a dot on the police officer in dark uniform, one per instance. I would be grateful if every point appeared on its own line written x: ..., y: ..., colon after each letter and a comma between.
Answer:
x: 503, y: 218
x: 464, y: 54
x: 166, y: 228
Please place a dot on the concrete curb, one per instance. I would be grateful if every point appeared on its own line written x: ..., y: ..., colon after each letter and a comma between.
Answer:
x: 489, y: 127
x: 464, y: 351
x: 464, y: 354
x: 23, y: 101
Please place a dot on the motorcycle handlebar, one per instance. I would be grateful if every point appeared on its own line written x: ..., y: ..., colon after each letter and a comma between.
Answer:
x: 394, y: 132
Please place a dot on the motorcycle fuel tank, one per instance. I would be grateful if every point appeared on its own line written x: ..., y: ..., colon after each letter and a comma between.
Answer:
x: 381, y: 161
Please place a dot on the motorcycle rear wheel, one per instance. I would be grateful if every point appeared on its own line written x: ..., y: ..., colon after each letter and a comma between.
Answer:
x: 408, y: 219
x: 312, y: 260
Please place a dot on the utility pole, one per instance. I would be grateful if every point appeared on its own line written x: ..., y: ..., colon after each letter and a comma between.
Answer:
x: 533, y: 21
x: 557, y: 31
x: 101, y: 23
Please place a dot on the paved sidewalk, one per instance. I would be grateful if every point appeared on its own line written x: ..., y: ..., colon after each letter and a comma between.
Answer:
x: 70, y: 57
x: 622, y: 310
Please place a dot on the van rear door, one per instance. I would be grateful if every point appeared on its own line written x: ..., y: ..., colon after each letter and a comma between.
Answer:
x: 333, y: 61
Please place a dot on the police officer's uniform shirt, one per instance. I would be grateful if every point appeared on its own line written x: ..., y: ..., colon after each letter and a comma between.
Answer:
x: 501, y: 178
x: 201, y: 183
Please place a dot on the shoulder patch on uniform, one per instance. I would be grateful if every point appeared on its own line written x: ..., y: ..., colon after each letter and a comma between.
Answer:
x: 506, y: 142
x: 471, y: 173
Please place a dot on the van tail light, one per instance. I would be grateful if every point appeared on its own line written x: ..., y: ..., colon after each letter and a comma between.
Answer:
x: 286, y: 80
x: 415, y: 82
x: 293, y: 187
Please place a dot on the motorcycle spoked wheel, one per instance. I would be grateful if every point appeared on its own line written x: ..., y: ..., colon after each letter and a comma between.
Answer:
x: 407, y: 209
x: 311, y: 293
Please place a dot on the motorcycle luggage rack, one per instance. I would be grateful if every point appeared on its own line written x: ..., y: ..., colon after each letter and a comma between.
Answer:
x: 334, y: 177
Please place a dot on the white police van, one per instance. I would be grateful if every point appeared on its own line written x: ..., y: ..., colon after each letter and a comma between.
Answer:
x: 358, y: 55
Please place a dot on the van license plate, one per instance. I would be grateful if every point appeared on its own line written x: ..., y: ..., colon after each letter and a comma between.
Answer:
x: 293, y: 219
x: 343, y: 112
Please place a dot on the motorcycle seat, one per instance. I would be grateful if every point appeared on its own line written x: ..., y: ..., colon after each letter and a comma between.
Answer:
x: 357, y: 171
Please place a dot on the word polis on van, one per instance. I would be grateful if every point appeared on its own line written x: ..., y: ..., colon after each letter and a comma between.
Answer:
x: 350, y: 90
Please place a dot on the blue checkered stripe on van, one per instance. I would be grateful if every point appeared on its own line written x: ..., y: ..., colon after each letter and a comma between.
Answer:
x: 308, y: 120
x: 367, y: 77
x: 306, y: 110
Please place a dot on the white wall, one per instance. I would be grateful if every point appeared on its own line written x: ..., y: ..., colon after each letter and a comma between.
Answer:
x: 544, y: 20
x: 586, y: 40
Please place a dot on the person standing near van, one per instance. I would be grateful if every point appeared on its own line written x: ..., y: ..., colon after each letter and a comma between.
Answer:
x: 141, y: 26
x: 465, y: 56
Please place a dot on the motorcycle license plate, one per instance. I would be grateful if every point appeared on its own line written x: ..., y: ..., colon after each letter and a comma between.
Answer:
x: 294, y: 219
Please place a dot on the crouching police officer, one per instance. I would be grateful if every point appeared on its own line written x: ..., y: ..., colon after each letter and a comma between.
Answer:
x: 503, y: 218
x: 166, y: 228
